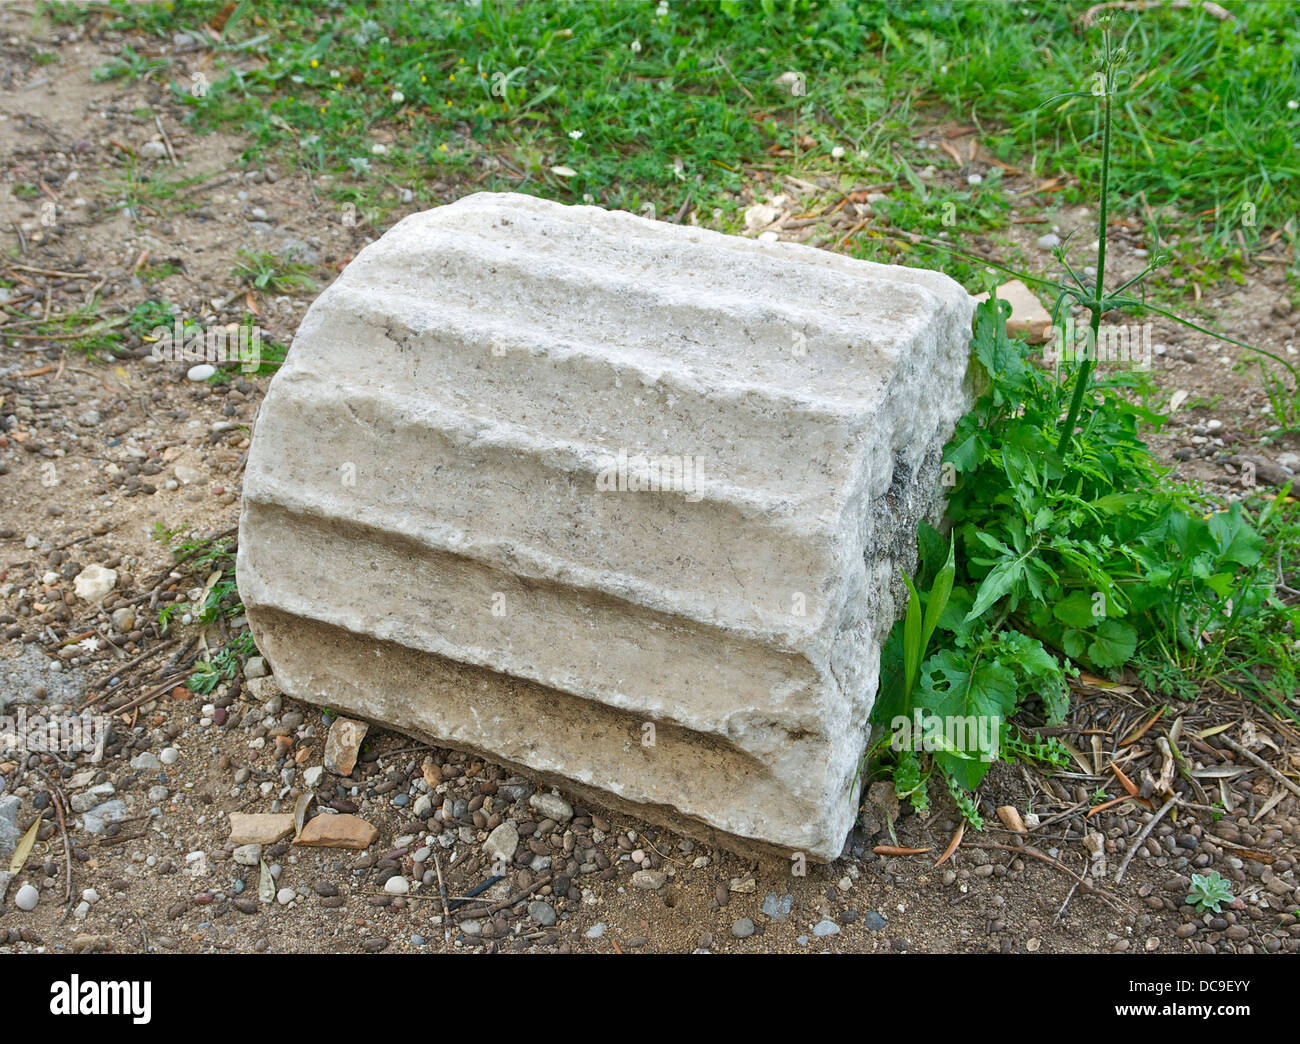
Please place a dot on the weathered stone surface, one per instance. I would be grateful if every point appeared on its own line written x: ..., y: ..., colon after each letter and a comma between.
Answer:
x: 342, y: 831
x: 260, y: 828
x: 436, y: 534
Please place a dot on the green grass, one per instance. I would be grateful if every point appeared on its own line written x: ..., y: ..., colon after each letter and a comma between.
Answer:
x: 136, y: 191
x: 684, y: 100
x: 265, y: 271
x: 129, y: 66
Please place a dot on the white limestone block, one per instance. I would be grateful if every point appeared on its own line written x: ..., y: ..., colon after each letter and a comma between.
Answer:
x: 442, y: 528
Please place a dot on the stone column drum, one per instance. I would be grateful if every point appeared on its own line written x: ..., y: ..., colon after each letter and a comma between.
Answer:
x: 617, y: 503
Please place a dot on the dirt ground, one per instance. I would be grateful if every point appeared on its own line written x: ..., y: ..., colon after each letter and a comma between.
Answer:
x: 94, y: 454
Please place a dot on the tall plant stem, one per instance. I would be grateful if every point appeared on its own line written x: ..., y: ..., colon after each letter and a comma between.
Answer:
x: 1084, y: 375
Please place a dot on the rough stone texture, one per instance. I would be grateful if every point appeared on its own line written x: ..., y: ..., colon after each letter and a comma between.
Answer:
x: 10, y: 835
x: 327, y: 831
x: 259, y: 828
x: 343, y: 744
x: 426, y: 542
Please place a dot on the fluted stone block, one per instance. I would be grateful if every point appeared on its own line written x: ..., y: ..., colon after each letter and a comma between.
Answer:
x: 618, y: 503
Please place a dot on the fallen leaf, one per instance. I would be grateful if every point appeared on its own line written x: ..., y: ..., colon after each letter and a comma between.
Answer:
x: 25, y: 847
x: 1010, y: 816
x: 1124, y: 781
x: 957, y: 835
x: 300, y: 810
x: 1141, y: 730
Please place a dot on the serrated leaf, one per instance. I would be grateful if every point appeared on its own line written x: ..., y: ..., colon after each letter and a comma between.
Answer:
x: 980, y: 695
x: 1074, y: 642
x: 1113, y: 643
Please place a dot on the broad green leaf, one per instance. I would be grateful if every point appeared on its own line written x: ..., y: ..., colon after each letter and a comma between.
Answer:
x: 891, y: 701
x: 1235, y: 540
x: 1113, y: 503
x: 1075, y: 610
x: 979, y: 696
x: 1000, y: 582
x: 1222, y: 584
x: 1114, y: 642
x: 965, y: 455
x: 939, y: 594
x: 1075, y: 643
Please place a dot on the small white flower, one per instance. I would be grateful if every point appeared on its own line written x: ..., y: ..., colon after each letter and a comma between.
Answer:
x: 575, y: 134
x: 379, y: 150
x: 837, y: 152
x: 587, y: 197
x: 636, y: 46
x: 398, y: 97
x: 1293, y: 104
x: 662, y: 10
x: 90, y: 644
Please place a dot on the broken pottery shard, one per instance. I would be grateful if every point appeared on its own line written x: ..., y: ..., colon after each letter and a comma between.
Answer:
x: 343, y: 744
x: 259, y: 828
x: 331, y: 831
x: 617, y: 502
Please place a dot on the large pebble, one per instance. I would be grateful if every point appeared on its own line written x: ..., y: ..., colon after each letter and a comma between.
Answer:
x: 94, y: 583
x: 552, y: 806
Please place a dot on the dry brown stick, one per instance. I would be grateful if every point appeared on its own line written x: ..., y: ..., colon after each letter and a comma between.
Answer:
x: 1142, y: 836
x: 545, y: 879
x: 53, y: 271
x: 56, y: 792
x: 1061, y: 912
x: 171, y: 153
x: 1110, y: 901
x: 1257, y: 760
x: 146, y: 697
x: 128, y: 665
x: 442, y: 893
